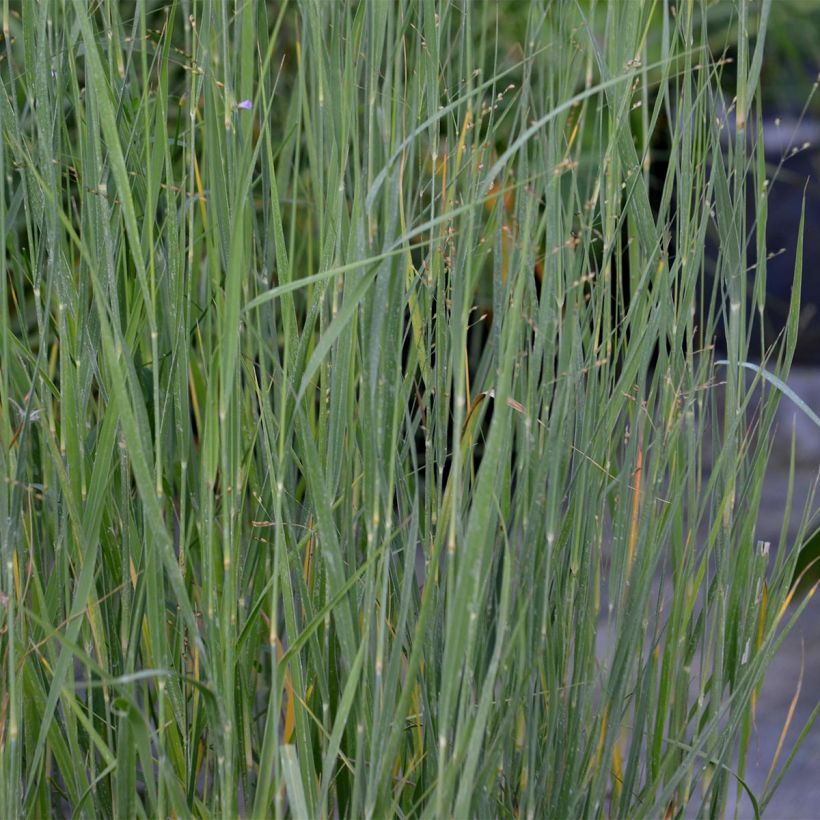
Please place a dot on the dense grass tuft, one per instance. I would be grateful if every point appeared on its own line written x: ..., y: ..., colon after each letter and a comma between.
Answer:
x: 357, y: 378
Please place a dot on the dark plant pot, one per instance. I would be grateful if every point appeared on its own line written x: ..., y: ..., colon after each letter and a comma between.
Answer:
x: 793, y: 168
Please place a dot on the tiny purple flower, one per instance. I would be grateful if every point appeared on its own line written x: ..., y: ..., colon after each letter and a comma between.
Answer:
x: 245, y: 105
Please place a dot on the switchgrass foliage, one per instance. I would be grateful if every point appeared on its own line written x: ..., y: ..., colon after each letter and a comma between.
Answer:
x: 357, y: 376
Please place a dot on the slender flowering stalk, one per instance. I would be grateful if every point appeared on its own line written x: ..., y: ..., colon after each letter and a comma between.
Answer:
x: 354, y: 452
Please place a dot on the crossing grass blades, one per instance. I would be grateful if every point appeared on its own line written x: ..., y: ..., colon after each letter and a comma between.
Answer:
x: 279, y: 536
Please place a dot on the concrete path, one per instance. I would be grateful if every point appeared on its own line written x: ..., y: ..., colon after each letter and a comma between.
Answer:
x: 798, y: 797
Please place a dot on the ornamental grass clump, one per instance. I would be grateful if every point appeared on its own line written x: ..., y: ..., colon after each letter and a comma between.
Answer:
x: 357, y: 371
